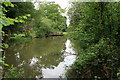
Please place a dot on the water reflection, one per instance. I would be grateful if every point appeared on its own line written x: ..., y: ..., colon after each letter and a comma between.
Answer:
x: 61, y: 68
x: 69, y: 48
x: 47, y: 57
x: 33, y: 61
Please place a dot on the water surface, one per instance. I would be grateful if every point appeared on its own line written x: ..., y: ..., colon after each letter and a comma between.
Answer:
x: 46, y: 57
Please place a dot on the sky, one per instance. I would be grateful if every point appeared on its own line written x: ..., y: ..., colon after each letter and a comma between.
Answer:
x: 62, y: 3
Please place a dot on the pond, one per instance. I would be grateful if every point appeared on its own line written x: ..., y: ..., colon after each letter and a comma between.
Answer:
x: 41, y: 58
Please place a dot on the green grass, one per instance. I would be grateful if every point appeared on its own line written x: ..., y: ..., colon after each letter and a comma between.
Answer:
x: 15, y: 39
x: 65, y: 33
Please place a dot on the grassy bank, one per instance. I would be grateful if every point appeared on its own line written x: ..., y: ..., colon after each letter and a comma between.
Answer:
x: 19, y: 37
x: 15, y: 39
x: 22, y: 37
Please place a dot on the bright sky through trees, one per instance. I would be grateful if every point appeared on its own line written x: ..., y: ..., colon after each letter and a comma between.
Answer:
x: 64, y: 4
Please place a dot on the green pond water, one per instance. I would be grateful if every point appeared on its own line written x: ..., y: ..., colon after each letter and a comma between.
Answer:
x: 45, y: 57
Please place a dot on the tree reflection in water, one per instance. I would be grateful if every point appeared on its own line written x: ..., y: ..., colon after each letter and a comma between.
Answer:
x: 46, y: 57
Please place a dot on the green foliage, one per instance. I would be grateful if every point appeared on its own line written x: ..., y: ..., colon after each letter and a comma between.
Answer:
x: 95, y: 26
x: 50, y: 19
x: 7, y: 21
x: 13, y: 72
x: 23, y: 12
x: 35, y: 23
x: 5, y: 45
x: 5, y: 64
x: 43, y: 27
x: 18, y: 38
x: 8, y: 4
x: 4, y: 21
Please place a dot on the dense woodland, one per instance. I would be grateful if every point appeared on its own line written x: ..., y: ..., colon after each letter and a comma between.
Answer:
x: 94, y: 27
x: 41, y: 22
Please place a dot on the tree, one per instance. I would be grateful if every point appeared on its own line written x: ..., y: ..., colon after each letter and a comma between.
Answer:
x: 5, y: 21
x: 20, y: 9
x: 49, y: 19
x: 95, y: 27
